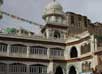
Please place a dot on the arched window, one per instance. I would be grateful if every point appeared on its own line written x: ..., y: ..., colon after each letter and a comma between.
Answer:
x: 3, y: 67
x: 57, y: 34
x: 17, y: 68
x: 56, y: 52
x: 3, y: 47
x: 18, y: 48
x: 83, y: 67
x: 86, y: 66
x: 38, y: 69
x: 39, y: 50
x: 73, y: 52
x: 59, y: 70
x: 72, y: 70
x: 90, y: 66
x: 85, y: 49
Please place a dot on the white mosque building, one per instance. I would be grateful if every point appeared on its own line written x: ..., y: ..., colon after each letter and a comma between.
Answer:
x: 65, y: 46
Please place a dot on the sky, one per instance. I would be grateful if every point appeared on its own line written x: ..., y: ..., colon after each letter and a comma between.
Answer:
x: 33, y: 9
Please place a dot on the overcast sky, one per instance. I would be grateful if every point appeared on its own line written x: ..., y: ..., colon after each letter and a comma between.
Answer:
x: 32, y: 10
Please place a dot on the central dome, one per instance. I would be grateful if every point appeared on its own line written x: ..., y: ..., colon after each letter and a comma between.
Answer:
x: 53, y: 8
x: 54, y: 5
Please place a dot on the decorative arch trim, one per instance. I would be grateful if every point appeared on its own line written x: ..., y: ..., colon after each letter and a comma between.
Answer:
x: 17, y: 64
x: 38, y: 65
x: 72, y: 70
x: 39, y: 47
x: 3, y: 63
x: 57, y: 48
x: 3, y: 43
x: 59, y: 70
x: 18, y: 45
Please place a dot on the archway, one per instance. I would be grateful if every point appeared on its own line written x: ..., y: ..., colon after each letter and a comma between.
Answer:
x: 56, y: 34
x: 59, y: 70
x: 73, y: 52
x: 72, y: 70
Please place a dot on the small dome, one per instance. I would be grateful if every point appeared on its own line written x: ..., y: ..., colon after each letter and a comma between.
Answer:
x: 53, y: 8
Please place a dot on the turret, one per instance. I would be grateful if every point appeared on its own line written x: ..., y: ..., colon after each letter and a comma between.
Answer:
x: 53, y: 13
x: 55, y: 21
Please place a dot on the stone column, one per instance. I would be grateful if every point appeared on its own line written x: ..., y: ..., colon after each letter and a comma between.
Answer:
x: 28, y: 51
x: 50, y: 69
x: 7, y: 72
x: 8, y: 49
x: 48, y: 53
x: 28, y: 69
x: 93, y: 49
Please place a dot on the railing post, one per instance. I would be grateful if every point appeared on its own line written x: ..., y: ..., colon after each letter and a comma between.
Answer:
x: 48, y: 52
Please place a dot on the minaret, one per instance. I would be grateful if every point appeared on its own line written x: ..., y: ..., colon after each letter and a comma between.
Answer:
x: 1, y: 2
x: 55, y: 20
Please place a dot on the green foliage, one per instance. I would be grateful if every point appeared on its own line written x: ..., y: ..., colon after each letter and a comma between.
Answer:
x: 98, y: 37
x: 10, y: 30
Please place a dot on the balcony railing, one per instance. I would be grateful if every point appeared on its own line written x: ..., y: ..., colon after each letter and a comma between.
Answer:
x: 37, y: 56
x: 3, y: 54
x: 34, y: 56
x: 33, y: 37
x: 18, y: 55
